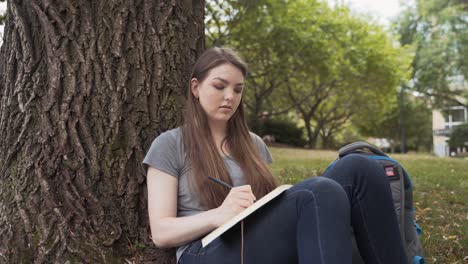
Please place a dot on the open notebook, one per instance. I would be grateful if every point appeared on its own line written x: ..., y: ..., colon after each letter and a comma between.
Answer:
x: 236, y: 219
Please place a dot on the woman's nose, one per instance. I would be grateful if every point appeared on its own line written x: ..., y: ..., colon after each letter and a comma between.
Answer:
x: 228, y: 94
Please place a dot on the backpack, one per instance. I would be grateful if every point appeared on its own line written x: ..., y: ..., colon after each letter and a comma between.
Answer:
x: 402, y: 193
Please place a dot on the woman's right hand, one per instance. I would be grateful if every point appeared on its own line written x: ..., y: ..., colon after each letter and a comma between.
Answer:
x: 235, y: 202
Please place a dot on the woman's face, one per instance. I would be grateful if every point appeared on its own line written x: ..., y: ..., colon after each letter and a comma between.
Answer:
x: 220, y: 92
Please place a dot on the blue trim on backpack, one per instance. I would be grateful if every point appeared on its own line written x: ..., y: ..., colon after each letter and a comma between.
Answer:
x: 330, y: 166
x: 418, y: 228
x: 418, y: 260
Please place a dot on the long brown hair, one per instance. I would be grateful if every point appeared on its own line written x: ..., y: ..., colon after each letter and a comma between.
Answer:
x: 201, y: 150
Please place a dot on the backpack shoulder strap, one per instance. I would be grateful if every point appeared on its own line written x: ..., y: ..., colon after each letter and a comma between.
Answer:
x: 359, y: 145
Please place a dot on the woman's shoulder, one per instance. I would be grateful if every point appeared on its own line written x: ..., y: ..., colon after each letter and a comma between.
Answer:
x: 258, y: 141
x: 172, y: 135
x: 262, y: 147
x: 256, y: 138
x: 169, y: 139
x: 165, y: 152
x: 175, y: 132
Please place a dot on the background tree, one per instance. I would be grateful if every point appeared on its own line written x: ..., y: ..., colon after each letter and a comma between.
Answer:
x: 459, y: 137
x: 253, y: 28
x: 304, y: 56
x: 438, y: 31
x: 346, y: 64
x: 85, y: 86
x: 418, y: 124
x: 2, y: 16
x: 2, y: 20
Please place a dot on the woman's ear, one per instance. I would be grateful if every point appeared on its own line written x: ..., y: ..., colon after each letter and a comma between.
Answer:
x: 194, y: 85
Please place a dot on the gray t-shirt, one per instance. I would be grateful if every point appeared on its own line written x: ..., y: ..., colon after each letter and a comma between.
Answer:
x: 167, y: 154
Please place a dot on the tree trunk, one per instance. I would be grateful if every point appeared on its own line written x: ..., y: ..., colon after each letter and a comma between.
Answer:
x: 311, y: 135
x: 85, y: 86
x: 313, y: 140
x: 401, y: 119
x: 327, y: 140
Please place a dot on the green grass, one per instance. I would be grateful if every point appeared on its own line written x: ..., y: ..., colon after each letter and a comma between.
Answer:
x: 440, y: 195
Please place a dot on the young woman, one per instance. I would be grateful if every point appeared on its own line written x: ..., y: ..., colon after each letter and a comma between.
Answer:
x: 310, y: 223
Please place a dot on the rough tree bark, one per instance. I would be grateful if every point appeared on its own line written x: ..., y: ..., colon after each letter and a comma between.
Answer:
x: 85, y: 86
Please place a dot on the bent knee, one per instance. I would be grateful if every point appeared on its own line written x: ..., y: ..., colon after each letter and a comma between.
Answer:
x: 324, y: 193
x: 321, y: 186
x: 319, y: 183
x: 362, y: 166
x: 356, y: 160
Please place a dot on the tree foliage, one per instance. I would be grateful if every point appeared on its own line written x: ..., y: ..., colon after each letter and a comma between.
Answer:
x: 324, y: 63
x: 2, y: 16
x: 459, y: 137
x: 438, y: 32
x: 417, y: 123
x: 252, y: 28
x: 2, y: 19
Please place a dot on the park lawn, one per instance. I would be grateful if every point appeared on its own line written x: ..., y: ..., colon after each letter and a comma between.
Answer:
x: 440, y: 195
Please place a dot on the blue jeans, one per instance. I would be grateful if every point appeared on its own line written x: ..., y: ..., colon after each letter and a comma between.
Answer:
x: 311, y: 222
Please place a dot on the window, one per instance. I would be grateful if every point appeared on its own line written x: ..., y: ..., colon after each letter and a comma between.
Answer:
x: 458, y: 115
x: 455, y: 115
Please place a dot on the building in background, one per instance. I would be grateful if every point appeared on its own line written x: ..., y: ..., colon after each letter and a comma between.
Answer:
x: 446, y: 119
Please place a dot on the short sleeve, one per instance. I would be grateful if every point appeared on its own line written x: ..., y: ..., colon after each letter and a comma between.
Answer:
x: 164, y: 154
x: 262, y: 148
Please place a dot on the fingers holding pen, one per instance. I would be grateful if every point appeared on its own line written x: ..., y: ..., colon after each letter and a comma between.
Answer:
x: 244, y: 189
x: 238, y: 199
x: 241, y: 196
x: 244, y: 192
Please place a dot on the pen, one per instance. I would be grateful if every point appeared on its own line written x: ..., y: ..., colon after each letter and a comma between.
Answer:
x: 220, y: 182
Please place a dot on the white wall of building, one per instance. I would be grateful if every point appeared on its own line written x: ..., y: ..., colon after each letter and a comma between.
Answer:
x: 442, y: 124
x: 440, y: 142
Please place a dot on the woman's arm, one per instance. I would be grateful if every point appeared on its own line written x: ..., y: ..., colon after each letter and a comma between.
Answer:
x: 168, y: 230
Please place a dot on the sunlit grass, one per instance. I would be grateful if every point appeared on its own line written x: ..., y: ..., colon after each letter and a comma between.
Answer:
x: 440, y: 193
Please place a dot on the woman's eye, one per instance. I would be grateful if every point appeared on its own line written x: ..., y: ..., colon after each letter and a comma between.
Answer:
x: 219, y: 87
x: 238, y: 90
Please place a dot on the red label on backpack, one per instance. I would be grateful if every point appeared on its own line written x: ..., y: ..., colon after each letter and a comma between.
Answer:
x: 390, y: 171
